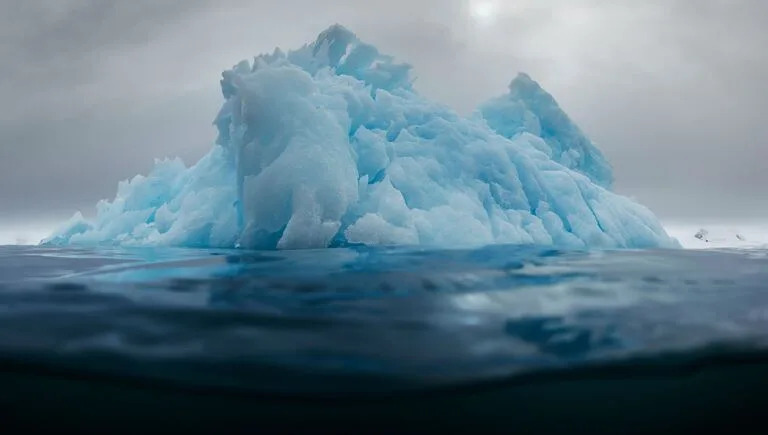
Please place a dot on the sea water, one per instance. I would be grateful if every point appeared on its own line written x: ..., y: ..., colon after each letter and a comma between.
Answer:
x: 370, y: 324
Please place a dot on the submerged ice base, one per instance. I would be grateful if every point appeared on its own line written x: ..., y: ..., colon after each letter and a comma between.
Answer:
x: 330, y: 145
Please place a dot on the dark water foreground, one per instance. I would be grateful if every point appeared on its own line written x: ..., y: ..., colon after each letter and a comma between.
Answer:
x: 500, y: 339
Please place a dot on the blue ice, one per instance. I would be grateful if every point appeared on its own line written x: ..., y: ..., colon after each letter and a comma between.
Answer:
x: 330, y: 145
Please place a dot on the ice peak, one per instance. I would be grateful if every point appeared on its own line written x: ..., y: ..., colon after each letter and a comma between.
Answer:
x: 528, y: 108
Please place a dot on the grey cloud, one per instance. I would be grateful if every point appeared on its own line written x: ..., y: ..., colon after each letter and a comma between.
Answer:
x: 671, y: 90
x: 71, y: 30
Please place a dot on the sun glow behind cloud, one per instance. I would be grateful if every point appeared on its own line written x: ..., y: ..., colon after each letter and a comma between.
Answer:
x: 566, y: 39
x: 489, y: 12
x: 484, y: 11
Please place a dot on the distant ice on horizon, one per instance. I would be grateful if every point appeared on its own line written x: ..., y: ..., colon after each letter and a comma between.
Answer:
x: 720, y: 235
x: 22, y: 235
x: 330, y: 145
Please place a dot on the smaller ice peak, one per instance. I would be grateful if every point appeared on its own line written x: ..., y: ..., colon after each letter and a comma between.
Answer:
x: 528, y: 108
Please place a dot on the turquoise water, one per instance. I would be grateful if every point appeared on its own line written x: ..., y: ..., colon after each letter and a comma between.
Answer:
x: 350, y: 323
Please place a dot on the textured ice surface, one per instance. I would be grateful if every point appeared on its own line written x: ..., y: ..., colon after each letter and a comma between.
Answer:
x: 529, y: 108
x: 330, y: 145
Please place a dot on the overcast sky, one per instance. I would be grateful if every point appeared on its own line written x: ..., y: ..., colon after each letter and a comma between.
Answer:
x: 672, y: 91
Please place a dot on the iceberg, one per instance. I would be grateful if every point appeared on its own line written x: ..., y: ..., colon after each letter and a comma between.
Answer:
x: 330, y: 145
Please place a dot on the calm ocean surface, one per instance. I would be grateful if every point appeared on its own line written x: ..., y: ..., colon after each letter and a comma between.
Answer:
x: 283, y: 330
